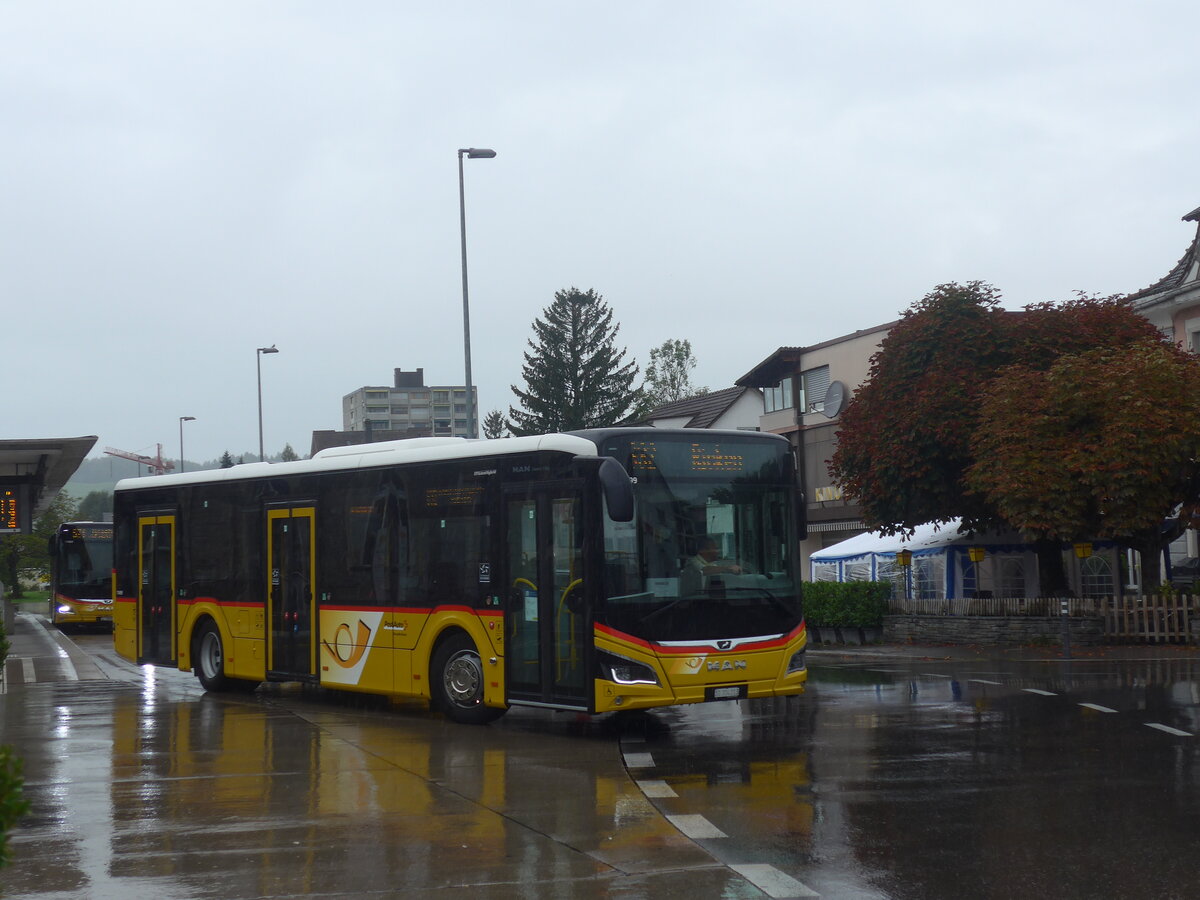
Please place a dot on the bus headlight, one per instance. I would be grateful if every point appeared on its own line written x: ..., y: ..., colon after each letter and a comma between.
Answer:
x: 624, y: 671
x: 64, y: 610
x: 796, y: 663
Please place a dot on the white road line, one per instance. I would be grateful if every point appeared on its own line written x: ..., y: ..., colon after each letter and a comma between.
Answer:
x: 1169, y: 730
x: 656, y: 790
x: 772, y: 882
x: 983, y: 681
x: 697, y: 828
x: 933, y: 675
x: 27, y: 670
x: 639, y: 760
x: 1097, y: 707
x: 1042, y: 693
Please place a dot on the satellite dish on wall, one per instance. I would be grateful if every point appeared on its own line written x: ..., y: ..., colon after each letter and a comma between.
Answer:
x: 835, y: 399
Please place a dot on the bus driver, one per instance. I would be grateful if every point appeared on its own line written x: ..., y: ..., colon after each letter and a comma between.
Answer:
x: 693, y: 578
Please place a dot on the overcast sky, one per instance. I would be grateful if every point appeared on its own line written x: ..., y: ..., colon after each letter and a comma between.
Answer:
x: 183, y: 183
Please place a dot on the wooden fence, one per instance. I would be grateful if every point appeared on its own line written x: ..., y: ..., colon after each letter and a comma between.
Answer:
x: 1136, y: 619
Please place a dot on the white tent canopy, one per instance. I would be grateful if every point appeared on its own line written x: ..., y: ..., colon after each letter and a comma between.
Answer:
x: 941, y: 566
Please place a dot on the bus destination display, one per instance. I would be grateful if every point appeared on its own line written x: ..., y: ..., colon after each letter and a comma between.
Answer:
x: 697, y: 456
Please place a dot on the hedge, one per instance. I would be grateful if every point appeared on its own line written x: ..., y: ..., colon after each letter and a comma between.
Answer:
x: 851, y: 604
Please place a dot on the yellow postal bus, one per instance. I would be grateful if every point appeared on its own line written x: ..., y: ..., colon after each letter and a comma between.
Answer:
x: 593, y: 571
x: 81, y: 574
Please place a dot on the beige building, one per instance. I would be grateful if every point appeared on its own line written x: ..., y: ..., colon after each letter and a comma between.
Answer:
x: 804, y: 391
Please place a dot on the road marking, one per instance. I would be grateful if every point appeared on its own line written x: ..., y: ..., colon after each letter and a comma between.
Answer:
x: 697, y: 828
x: 656, y: 789
x: 772, y: 882
x: 1042, y: 693
x: 639, y: 760
x: 983, y: 681
x: 1097, y: 707
x: 27, y: 670
x: 1169, y: 730
x: 933, y: 675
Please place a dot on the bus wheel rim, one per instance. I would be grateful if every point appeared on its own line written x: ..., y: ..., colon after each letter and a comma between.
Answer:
x: 462, y: 678
x: 210, y: 655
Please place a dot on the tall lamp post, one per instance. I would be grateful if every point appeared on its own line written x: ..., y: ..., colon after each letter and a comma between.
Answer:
x: 258, y: 362
x: 183, y: 419
x: 470, y: 153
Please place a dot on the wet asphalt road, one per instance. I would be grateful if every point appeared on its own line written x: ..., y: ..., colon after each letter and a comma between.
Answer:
x: 891, y: 778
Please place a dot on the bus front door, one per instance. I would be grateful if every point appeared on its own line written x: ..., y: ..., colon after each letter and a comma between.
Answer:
x: 291, y: 577
x: 156, y: 592
x: 548, y: 624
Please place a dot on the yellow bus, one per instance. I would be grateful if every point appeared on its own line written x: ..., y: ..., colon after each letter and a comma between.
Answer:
x: 81, y: 574
x: 594, y: 571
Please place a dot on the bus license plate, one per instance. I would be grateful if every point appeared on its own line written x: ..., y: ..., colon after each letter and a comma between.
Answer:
x: 729, y: 692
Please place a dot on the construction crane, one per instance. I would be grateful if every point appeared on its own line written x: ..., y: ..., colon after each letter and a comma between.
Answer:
x: 156, y: 464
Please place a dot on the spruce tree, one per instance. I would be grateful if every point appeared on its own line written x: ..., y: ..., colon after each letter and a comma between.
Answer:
x: 493, y: 425
x: 575, y: 377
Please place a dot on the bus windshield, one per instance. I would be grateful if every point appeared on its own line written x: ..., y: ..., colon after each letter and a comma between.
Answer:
x: 709, y: 555
x: 83, y: 560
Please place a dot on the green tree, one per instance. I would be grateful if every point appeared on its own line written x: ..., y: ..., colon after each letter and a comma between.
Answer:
x: 20, y: 552
x: 288, y: 454
x: 493, y: 425
x: 575, y: 377
x: 1101, y: 445
x: 226, y: 460
x: 95, y: 506
x: 669, y: 376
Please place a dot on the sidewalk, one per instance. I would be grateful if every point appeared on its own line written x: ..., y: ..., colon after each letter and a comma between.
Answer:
x: 39, y: 652
x: 829, y: 653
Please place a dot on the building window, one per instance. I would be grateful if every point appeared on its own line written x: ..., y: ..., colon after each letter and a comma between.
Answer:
x: 814, y: 385
x: 441, y: 396
x: 778, y: 397
x: 377, y: 395
x: 377, y: 409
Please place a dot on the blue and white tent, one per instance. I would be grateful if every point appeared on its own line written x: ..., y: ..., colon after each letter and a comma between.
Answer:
x: 942, y: 568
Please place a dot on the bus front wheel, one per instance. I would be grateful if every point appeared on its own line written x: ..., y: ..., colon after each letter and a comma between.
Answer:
x: 208, y: 662
x: 456, y: 680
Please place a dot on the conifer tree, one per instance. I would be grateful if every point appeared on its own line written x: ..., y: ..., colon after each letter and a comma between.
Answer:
x: 575, y: 377
x: 493, y: 425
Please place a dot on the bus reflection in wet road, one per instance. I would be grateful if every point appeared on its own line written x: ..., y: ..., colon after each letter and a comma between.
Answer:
x: 919, y: 779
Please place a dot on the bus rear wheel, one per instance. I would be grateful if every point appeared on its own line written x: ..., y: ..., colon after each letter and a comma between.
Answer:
x: 456, y: 681
x: 208, y: 662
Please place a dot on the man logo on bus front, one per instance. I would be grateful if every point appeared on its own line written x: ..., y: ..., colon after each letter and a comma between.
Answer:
x: 724, y: 645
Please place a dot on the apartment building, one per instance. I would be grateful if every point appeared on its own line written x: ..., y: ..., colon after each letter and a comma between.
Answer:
x: 410, y: 406
x: 804, y: 391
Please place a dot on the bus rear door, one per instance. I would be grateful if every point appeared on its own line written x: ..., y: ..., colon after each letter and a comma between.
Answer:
x: 548, y: 623
x: 291, y: 576
x: 156, y: 590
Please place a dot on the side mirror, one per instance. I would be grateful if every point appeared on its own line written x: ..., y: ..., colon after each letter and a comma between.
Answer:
x: 617, y: 489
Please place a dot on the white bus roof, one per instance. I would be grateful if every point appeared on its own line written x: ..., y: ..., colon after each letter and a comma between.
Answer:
x: 368, y: 456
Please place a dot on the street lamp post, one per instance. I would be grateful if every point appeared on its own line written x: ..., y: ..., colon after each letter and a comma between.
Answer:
x: 470, y: 153
x: 183, y: 419
x: 258, y: 362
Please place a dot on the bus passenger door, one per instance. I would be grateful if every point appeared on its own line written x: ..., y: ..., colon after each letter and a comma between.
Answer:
x: 156, y: 590
x: 548, y: 624
x: 291, y: 576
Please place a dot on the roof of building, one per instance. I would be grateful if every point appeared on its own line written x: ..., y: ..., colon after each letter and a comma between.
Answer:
x: 785, y: 360
x: 701, y: 410
x: 1178, y: 276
